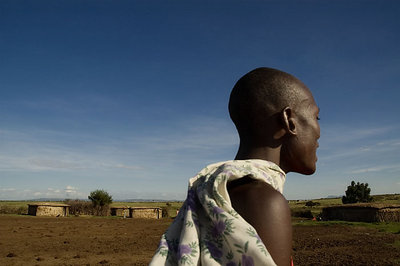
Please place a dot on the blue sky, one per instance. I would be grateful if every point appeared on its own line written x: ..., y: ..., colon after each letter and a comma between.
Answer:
x: 131, y: 96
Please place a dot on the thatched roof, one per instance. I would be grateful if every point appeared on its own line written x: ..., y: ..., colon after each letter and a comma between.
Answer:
x: 49, y: 204
x: 145, y: 208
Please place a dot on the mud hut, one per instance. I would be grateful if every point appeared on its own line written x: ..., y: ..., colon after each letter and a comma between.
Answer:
x: 120, y: 211
x: 48, y: 209
x: 362, y: 213
x: 145, y: 212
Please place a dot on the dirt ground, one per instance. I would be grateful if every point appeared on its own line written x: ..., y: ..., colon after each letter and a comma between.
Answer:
x: 27, y: 240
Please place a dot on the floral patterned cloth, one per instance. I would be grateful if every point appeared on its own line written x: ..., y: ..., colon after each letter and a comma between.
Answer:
x: 207, y: 230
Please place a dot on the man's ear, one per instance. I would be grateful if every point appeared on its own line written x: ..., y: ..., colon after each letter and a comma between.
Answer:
x: 288, y: 123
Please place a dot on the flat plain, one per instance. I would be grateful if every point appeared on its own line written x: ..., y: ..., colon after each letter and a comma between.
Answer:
x: 30, y: 240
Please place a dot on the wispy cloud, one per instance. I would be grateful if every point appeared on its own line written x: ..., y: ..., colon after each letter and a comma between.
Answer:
x: 54, y: 164
x: 129, y: 167
x: 376, y: 169
x: 7, y: 189
x: 59, y: 193
x: 338, y: 134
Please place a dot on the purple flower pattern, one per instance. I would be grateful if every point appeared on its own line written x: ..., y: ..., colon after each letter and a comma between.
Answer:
x: 217, y: 210
x: 214, y: 251
x: 210, y: 223
x: 247, y: 261
x: 218, y: 229
x: 183, y: 250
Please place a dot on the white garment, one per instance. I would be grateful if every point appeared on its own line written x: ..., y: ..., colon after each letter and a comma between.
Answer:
x: 207, y: 230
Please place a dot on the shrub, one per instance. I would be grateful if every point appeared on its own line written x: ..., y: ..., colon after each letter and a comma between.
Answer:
x: 13, y: 210
x: 359, y: 192
x: 302, y: 214
x: 312, y: 203
x: 100, y: 197
x: 166, y: 210
x: 80, y: 207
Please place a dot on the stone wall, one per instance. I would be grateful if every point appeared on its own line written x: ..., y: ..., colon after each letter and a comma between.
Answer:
x: 139, y: 212
x: 48, y: 210
x: 389, y: 215
x: 362, y: 213
x: 120, y: 211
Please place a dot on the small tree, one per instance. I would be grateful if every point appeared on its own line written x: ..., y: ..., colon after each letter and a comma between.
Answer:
x: 100, y: 200
x: 100, y: 197
x: 359, y: 192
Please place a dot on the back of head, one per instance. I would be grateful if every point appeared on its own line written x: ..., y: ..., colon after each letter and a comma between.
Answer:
x: 257, y: 96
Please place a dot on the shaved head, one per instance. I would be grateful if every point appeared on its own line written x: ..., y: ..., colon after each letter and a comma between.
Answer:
x: 260, y: 94
x: 277, y: 120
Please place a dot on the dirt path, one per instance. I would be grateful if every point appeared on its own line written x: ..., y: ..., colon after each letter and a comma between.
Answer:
x: 344, y: 245
x: 26, y: 240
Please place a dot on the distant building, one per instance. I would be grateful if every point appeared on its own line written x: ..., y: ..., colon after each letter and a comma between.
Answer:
x: 145, y: 212
x: 120, y: 211
x: 137, y: 212
x: 363, y: 212
x: 48, y: 209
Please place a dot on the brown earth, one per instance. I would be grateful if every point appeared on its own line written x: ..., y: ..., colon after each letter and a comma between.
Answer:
x: 27, y: 240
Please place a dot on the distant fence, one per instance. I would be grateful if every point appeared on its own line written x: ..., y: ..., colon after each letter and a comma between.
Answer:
x: 363, y: 213
x: 48, y: 209
x: 137, y: 212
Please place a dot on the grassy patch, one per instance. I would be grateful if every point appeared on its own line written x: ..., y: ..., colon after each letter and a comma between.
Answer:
x: 396, y: 244
x: 382, y: 227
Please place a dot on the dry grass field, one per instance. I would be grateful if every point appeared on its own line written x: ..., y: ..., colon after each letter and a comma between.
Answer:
x: 29, y: 240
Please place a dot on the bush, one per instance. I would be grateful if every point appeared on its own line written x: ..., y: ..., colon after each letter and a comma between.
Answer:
x: 166, y: 210
x: 80, y: 207
x: 13, y: 210
x: 359, y: 192
x: 100, y: 202
x: 302, y: 214
x: 312, y: 203
x: 100, y: 197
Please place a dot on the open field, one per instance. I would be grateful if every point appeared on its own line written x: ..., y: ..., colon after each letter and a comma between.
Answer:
x: 21, y: 207
x: 300, y: 205
x: 29, y: 240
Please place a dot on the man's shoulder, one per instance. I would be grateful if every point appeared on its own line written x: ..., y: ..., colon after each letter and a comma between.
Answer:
x: 254, y: 189
x: 253, y: 194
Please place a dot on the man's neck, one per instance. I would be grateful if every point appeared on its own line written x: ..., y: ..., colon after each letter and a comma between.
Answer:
x: 262, y: 153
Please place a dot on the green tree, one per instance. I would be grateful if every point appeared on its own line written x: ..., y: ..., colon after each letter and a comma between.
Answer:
x: 100, y: 197
x: 359, y: 192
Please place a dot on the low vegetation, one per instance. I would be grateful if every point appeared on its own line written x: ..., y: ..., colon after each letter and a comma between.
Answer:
x: 390, y: 227
x: 299, y: 208
x: 359, y: 192
x: 80, y: 207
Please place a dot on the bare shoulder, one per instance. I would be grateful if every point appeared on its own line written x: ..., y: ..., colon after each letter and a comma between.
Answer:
x: 268, y: 212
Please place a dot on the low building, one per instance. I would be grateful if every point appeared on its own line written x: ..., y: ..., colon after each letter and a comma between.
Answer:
x: 145, y: 212
x: 48, y: 209
x: 364, y: 212
x: 120, y: 211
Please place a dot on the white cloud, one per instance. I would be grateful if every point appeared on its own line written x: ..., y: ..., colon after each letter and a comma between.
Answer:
x: 7, y: 189
x: 339, y: 134
x: 54, y: 164
x: 375, y: 169
x: 70, y: 190
x: 130, y: 167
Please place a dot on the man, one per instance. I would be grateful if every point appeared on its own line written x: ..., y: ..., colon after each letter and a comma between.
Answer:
x: 235, y: 212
